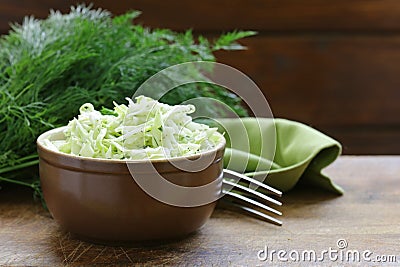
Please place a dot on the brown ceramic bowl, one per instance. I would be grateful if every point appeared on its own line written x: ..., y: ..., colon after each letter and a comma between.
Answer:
x: 99, y: 200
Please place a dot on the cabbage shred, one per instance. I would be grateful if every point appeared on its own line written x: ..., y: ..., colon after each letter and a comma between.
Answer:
x: 145, y: 129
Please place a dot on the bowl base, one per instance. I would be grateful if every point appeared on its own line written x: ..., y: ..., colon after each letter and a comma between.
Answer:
x: 133, y: 243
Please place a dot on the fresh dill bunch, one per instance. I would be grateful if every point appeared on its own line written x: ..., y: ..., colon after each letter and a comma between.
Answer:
x: 50, y: 67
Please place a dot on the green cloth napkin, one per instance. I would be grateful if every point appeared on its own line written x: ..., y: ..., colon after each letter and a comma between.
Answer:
x: 300, y: 153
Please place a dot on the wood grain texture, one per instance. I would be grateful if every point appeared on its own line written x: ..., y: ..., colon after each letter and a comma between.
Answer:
x: 367, y: 216
x: 369, y: 139
x: 325, y: 77
x: 208, y: 15
x: 331, y: 64
x: 346, y: 86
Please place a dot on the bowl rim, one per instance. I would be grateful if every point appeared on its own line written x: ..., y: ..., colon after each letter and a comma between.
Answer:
x: 39, y: 142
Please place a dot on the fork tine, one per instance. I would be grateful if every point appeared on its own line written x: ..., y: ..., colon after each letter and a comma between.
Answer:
x: 235, y: 176
x: 231, y: 181
x: 253, y: 202
x: 253, y: 192
x: 257, y: 213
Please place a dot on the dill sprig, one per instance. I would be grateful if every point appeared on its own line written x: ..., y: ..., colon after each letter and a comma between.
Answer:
x: 50, y: 67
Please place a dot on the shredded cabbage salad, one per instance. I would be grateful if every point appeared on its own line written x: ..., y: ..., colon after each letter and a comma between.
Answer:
x: 145, y: 129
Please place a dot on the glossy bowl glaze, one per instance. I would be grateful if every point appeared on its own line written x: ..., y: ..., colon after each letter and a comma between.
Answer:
x: 99, y: 200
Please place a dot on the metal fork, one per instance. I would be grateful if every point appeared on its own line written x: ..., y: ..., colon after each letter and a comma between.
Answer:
x: 240, y: 196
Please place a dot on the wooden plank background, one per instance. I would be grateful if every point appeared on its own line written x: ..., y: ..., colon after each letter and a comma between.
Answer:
x: 334, y: 65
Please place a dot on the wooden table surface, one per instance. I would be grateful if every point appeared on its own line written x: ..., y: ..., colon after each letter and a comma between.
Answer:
x: 366, y: 218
